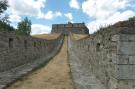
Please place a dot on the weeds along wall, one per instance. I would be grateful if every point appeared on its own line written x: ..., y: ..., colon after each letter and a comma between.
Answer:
x: 103, y: 55
x: 19, y: 50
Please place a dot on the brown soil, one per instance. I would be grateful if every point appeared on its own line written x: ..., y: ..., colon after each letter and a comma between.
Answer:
x: 55, y: 75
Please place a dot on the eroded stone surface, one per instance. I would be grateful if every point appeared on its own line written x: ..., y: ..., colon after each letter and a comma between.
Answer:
x: 82, y: 77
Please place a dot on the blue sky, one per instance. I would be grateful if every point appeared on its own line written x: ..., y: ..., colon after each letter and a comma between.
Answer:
x: 63, y: 7
x: 95, y: 13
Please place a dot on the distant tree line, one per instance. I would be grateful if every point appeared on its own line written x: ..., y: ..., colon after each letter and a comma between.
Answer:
x: 23, y: 27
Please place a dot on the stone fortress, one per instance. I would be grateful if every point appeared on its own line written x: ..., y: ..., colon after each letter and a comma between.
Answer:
x: 78, y: 28
x: 103, y: 60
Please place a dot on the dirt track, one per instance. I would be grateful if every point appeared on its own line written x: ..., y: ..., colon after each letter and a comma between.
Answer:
x: 55, y: 75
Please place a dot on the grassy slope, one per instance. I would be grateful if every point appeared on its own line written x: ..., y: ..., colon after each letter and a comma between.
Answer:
x: 46, y: 36
x: 79, y: 36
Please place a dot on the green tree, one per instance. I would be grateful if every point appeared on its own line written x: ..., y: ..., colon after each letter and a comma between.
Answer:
x: 24, y: 27
x: 3, y: 6
x: 4, y: 22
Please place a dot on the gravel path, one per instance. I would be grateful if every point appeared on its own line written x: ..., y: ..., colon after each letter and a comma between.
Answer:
x: 55, y: 75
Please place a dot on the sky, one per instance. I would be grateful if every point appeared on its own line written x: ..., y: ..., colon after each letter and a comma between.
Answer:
x: 94, y: 13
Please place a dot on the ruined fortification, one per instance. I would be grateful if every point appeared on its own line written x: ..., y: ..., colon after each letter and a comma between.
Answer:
x: 103, y: 60
x: 21, y: 54
x: 78, y: 28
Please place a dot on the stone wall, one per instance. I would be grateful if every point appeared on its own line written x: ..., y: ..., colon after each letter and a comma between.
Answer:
x: 19, y: 50
x: 78, y: 28
x: 125, y: 68
x: 94, y: 61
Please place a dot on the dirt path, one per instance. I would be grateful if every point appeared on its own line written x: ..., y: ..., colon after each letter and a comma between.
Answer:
x: 55, y: 75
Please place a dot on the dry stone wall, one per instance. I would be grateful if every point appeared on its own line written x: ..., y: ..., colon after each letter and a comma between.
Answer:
x: 18, y: 50
x: 104, y: 60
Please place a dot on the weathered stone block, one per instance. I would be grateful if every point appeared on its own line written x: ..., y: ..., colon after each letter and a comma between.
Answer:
x: 115, y: 37
x: 125, y: 72
x: 132, y: 59
x: 127, y: 37
x: 126, y: 48
x: 123, y: 59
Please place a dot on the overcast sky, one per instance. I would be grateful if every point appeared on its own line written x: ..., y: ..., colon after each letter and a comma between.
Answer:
x: 95, y: 13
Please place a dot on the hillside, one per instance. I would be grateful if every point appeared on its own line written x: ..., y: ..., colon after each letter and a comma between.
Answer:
x: 46, y: 36
x: 79, y: 36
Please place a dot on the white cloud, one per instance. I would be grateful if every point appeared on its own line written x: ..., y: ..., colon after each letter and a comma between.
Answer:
x: 31, y: 8
x: 69, y: 16
x: 96, y: 24
x: 103, y: 8
x: 14, y: 18
x: 26, y: 7
x: 74, y: 4
x: 50, y: 15
x: 40, y: 29
x: 106, y: 12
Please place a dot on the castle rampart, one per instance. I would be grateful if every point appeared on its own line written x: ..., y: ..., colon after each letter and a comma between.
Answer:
x: 21, y: 54
x: 103, y: 60
x: 18, y: 50
x: 107, y: 57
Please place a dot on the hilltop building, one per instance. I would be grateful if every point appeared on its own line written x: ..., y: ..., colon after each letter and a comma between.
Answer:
x: 77, y: 28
